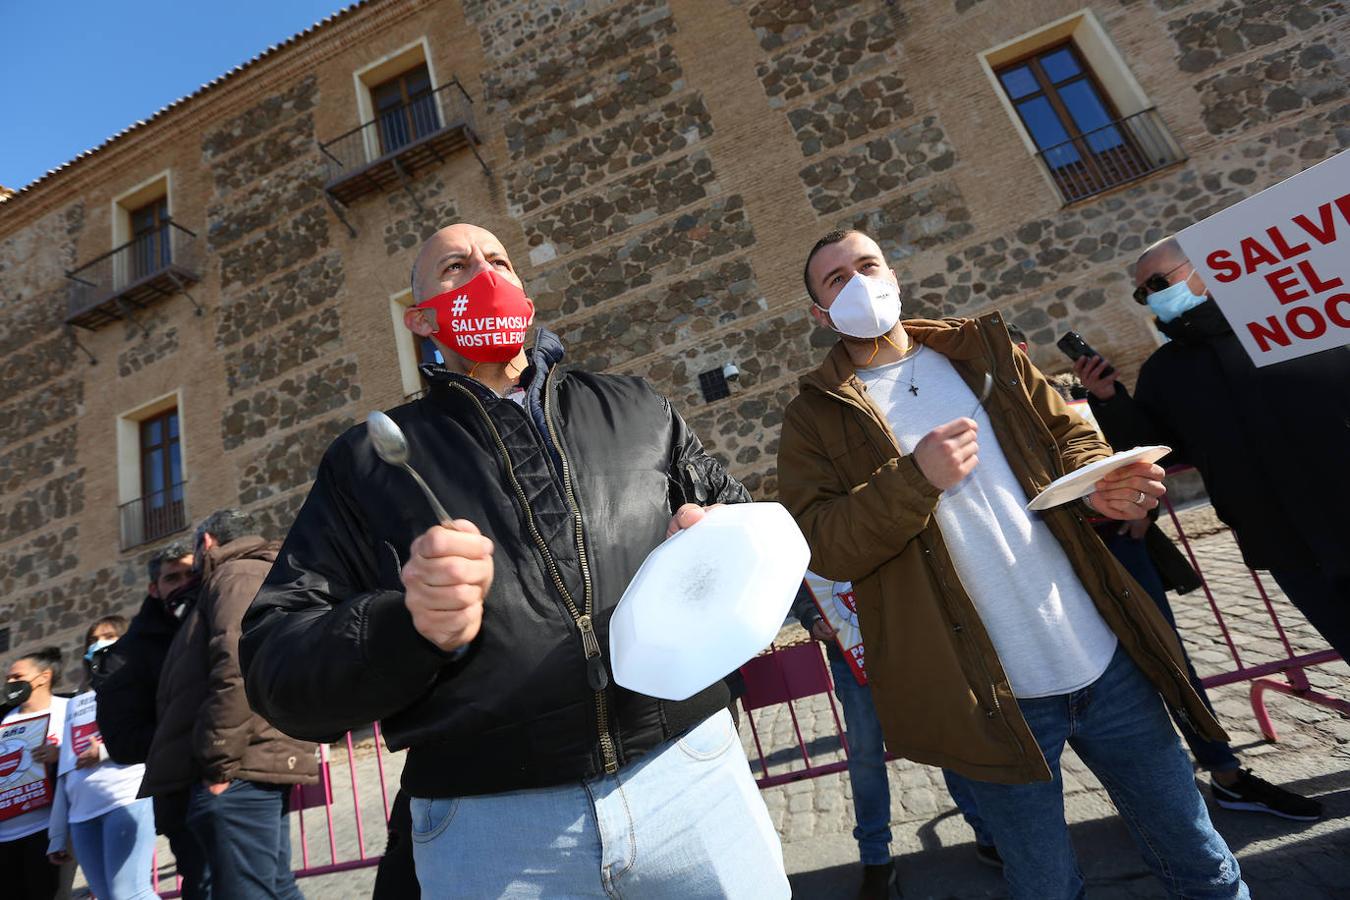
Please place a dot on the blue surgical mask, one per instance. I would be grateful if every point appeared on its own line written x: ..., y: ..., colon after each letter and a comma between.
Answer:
x: 97, y: 646
x: 1174, y: 300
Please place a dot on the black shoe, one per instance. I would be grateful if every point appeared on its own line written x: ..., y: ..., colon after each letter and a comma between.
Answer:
x: 1258, y: 795
x: 988, y: 854
x: 880, y: 882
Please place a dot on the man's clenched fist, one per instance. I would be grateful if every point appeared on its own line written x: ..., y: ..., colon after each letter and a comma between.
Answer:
x: 948, y: 453
x: 445, y: 580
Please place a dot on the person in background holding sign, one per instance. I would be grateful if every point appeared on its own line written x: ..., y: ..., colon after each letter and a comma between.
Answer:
x: 26, y: 794
x: 995, y: 637
x: 1270, y: 442
x: 96, y: 810
x: 483, y: 643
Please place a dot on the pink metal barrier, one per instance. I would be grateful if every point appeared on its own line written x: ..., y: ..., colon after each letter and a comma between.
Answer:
x: 1295, y: 682
x: 780, y: 676
x: 322, y: 806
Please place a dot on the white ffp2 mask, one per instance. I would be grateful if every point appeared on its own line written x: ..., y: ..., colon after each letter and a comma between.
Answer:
x: 866, y: 307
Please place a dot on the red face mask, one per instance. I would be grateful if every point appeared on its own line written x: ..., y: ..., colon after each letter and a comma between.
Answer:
x: 484, y: 320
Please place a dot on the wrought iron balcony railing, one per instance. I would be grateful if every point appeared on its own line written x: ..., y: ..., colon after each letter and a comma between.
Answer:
x: 153, y: 516
x: 1110, y: 156
x: 379, y: 155
x: 157, y: 263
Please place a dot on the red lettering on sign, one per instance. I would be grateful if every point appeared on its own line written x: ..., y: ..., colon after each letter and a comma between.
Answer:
x: 1221, y: 263
x: 1255, y: 255
x: 1285, y: 250
x: 1324, y: 232
x: 1282, y: 282
x: 1318, y: 285
x: 1334, y: 303
x: 1314, y: 330
x: 1264, y: 333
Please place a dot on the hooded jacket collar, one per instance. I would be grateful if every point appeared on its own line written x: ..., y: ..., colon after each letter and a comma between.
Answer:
x: 1197, y: 325
x: 956, y: 339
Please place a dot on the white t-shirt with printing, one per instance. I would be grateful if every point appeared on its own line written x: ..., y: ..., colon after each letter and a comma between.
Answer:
x: 1049, y: 636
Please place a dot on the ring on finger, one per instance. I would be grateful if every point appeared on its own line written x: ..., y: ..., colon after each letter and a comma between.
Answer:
x: 1139, y: 501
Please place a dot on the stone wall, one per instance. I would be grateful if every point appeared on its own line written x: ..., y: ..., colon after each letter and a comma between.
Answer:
x: 657, y: 174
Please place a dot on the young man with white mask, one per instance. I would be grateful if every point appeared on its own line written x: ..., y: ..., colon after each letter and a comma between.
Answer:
x: 1270, y: 442
x: 483, y: 643
x: 994, y: 636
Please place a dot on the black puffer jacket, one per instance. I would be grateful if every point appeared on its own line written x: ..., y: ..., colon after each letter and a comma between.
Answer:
x: 126, y: 693
x: 574, y: 488
x: 1270, y: 442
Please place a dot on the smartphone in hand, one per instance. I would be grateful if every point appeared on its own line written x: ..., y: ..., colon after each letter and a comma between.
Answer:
x: 1075, y: 348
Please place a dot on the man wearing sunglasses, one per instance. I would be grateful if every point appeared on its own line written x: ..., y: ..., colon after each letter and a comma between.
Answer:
x: 1270, y: 442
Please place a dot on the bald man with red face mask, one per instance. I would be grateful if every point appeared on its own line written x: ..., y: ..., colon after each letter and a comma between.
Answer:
x: 480, y: 643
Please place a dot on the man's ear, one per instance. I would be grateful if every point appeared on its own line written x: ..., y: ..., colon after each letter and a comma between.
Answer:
x: 420, y: 320
x: 822, y: 316
x: 531, y: 302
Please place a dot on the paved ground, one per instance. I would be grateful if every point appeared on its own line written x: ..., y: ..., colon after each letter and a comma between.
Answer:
x: 935, y: 849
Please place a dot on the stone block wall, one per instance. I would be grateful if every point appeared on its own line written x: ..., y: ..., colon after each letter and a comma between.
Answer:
x: 658, y: 170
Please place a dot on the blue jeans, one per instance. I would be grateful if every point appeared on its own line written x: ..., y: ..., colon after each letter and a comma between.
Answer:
x: 115, y: 850
x: 246, y: 834
x: 964, y: 798
x: 1213, y: 756
x: 866, y: 763
x: 685, y: 820
x: 1119, y: 727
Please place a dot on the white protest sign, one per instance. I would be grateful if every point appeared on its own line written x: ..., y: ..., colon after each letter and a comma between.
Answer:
x: 1278, y: 263
x: 24, y: 785
x: 837, y: 605
x: 82, y: 727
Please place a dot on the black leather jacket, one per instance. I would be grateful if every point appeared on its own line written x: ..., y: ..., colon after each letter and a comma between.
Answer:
x: 574, y: 487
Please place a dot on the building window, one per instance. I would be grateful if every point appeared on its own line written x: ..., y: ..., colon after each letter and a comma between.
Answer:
x: 152, y: 475
x: 161, y: 476
x: 405, y: 109
x: 1079, y: 109
x: 150, y: 248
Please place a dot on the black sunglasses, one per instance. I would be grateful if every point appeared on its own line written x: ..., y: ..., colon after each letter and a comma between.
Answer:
x: 1154, y: 283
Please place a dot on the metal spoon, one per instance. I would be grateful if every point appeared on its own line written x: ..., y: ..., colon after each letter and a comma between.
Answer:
x: 392, y: 447
x: 984, y: 394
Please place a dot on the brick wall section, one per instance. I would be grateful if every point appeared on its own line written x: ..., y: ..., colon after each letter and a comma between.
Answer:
x: 657, y: 176
x: 1210, y: 37
x: 668, y: 249
x: 290, y: 401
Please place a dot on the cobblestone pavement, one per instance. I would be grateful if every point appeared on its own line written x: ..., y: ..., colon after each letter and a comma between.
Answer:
x: 934, y: 848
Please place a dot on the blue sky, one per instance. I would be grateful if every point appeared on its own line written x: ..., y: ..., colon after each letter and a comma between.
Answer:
x: 75, y: 72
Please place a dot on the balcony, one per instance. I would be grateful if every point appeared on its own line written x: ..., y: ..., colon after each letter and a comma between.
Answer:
x: 1115, y: 154
x: 383, y: 153
x: 153, y: 516
x: 155, y: 264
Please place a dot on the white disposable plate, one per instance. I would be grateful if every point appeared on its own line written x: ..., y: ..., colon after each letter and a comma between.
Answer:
x: 1080, y: 483
x: 706, y: 600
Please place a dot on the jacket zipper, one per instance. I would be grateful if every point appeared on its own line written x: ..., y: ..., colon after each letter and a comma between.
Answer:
x: 595, y: 665
x: 595, y: 670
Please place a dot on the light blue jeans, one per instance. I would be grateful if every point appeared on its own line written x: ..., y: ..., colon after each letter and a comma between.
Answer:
x: 115, y: 850
x: 866, y: 763
x: 1119, y: 727
x: 685, y: 820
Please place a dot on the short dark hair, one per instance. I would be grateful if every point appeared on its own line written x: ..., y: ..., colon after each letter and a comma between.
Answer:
x: 1017, y: 334
x: 831, y: 237
x: 47, y: 658
x: 170, y: 552
x: 118, y: 623
x: 226, y: 525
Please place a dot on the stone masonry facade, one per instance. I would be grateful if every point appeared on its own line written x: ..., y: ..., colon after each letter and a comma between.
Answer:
x: 657, y: 168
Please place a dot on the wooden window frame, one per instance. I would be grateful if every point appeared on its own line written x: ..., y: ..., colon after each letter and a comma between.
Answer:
x: 1089, y: 158
x: 405, y: 107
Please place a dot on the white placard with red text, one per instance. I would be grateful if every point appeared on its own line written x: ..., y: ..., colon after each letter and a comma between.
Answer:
x: 24, y: 785
x: 1278, y: 263
x: 835, y: 601
x: 82, y: 720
